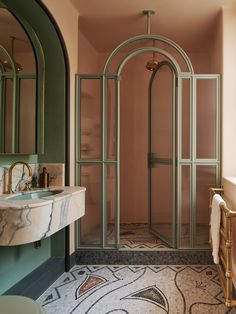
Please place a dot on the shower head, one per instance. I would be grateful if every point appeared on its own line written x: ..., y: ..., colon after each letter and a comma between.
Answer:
x: 151, y: 64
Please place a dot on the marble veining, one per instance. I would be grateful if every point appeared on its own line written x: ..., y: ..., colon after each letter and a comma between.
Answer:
x: 20, y: 176
x: 29, y: 220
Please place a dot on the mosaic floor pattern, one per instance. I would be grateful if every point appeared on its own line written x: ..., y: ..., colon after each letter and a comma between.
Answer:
x: 138, y: 236
x: 135, y: 236
x: 136, y: 290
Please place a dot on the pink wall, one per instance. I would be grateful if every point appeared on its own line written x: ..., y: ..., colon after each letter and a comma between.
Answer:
x: 88, y: 56
x: 67, y: 18
x: 229, y: 83
x: 134, y: 140
x: 216, y: 48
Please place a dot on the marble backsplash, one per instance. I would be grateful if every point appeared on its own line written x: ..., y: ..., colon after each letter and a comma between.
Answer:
x: 20, y: 176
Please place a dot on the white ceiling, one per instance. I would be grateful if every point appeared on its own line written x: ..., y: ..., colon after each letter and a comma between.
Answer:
x: 190, y: 23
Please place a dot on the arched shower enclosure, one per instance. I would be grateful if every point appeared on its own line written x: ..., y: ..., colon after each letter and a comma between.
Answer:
x: 183, y: 146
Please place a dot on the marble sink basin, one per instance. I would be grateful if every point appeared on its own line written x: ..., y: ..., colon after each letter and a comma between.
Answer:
x: 31, y: 216
x: 33, y: 195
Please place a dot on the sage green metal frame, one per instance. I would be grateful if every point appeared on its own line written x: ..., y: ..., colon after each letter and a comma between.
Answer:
x: 103, y: 161
x: 192, y: 161
x: 165, y: 161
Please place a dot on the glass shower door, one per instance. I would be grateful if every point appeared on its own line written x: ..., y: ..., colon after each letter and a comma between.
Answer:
x: 161, y: 159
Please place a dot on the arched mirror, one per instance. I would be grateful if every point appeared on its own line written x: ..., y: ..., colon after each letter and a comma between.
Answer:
x: 21, y: 102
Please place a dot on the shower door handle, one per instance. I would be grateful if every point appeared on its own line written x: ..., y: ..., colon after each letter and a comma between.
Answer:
x: 153, y: 160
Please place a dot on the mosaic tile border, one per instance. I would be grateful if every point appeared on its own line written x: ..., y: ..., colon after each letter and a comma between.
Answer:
x: 170, y: 257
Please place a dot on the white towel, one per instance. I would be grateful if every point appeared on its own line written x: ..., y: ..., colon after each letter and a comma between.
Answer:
x: 217, y: 200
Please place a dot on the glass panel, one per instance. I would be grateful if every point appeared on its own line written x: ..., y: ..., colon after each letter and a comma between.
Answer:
x: 162, y: 201
x: 111, y: 119
x: 185, y: 207
x: 206, y: 118
x: 186, y: 118
x: 161, y: 173
x: 161, y: 113
x: 205, y: 178
x: 90, y: 223
x: 90, y: 119
x: 134, y: 141
x: 27, y: 135
x: 111, y: 204
x: 8, y: 115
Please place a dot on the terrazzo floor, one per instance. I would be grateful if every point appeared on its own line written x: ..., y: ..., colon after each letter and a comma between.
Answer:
x: 125, y: 289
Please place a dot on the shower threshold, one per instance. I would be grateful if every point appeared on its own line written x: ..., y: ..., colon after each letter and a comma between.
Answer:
x: 137, y: 237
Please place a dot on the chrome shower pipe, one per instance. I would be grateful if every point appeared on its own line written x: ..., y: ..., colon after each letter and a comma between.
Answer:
x: 149, y: 13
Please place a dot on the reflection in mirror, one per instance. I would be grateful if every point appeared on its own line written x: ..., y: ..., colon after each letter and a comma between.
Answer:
x: 18, y: 103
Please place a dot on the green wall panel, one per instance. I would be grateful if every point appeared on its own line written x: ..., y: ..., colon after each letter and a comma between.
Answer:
x: 58, y: 243
x: 9, y: 159
x: 18, y: 261
x: 55, y: 77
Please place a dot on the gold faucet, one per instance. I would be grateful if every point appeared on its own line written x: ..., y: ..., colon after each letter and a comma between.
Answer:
x: 9, y: 186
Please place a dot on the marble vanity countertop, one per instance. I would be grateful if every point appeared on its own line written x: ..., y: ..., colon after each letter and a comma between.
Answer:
x: 28, y: 220
x: 65, y: 192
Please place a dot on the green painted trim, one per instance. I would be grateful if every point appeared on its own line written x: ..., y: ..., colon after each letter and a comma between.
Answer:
x: 174, y: 209
x: 97, y: 161
x: 31, y: 13
x: 9, y: 159
x: 118, y: 244
x: 129, y: 41
x: 103, y: 195
x: 2, y: 115
x: 138, y: 51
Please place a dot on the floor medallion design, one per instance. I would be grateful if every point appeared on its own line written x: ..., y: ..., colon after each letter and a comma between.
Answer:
x: 152, y: 289
x: 153, y: 295
x: 90, y: 282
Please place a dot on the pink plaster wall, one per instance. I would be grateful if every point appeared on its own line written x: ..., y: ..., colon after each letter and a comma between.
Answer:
x: 88, y: 56
x: 216, y: 48
x: 67, y: 17
x: 134, y: 140
x: 229, y: 83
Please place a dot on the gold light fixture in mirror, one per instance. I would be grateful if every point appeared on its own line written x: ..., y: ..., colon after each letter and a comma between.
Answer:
x: 6, y: 63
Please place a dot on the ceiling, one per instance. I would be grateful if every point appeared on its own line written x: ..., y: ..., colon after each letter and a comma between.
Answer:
x: 190, y: 23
